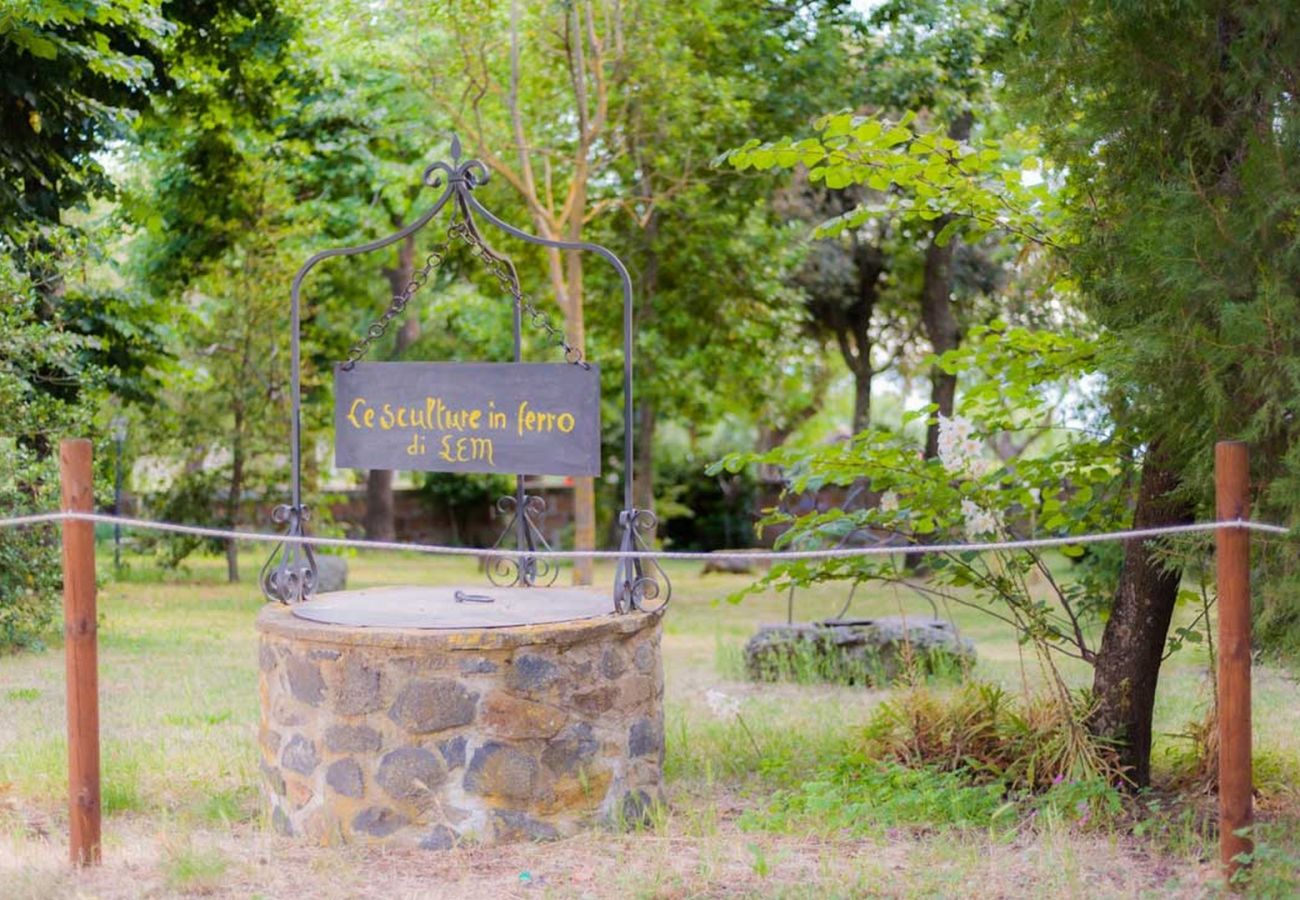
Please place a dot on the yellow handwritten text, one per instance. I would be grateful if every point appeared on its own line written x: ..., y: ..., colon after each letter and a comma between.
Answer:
x: 367, y: 415
x: 466, y: 449
x: 434, y: 415
x: 531, y: 420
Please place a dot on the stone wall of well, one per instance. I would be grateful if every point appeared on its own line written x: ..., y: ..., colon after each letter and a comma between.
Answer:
x: 433, y: 737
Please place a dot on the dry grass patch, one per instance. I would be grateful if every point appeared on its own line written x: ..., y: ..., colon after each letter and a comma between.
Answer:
x: 180, y: 716
x: 248, y: 862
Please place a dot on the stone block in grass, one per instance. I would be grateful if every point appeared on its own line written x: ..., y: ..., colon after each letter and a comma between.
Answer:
x: 869, y: 652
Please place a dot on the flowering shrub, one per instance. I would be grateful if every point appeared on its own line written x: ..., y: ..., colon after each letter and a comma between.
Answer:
x: 1024, y: 457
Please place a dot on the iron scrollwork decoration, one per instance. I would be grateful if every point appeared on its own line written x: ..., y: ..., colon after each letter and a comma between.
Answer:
x: 637, y: 582
x: 637, y: 586
x: 294, y: 575
x: 524, y: 570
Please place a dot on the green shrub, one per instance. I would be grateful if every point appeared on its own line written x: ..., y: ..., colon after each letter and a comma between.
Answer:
x: 1277, y: 615
x: 189, y: 499
x: 50, y: 373
x: 461, y: 496
x: 976, y: 757
x: 30, y: 576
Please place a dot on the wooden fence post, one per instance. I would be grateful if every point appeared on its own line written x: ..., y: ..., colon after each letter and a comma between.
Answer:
x: 81, y: 653
x: 1232, y: 552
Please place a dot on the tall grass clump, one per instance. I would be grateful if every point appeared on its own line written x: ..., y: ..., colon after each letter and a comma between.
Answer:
x: 1025, y: 742
x: 974, y: 757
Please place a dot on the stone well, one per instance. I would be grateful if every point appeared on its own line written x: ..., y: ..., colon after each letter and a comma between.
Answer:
x: 463, y: 729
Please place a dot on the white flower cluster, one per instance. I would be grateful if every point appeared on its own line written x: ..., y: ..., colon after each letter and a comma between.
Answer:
x: 958, y: 446
x: 979, y: 521
x: 889, y: 502
x: 724, y: 706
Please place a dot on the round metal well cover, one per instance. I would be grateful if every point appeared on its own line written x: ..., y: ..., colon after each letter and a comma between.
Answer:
x: 454, y: 607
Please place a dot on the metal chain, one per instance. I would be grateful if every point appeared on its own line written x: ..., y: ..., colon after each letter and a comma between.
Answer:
x: 459, y: 230
x: 539, y: 319
x: 379, y: 327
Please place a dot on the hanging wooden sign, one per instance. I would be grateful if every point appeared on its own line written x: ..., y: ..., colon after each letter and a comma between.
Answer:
x: 525, y: 418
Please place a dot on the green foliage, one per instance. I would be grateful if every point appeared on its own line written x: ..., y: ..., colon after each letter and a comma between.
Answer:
x: 709, y: 259
x: 456, y: 490
x: 29, y: 557
x: 934, y: 55
x: 227, y: 70
x: 1177, y: 175
x: 73, y: 75
x: 1068, y: 480
x: 460, y: 495
x: 921, y: 157
x: 79, y: 78
x: 45, y: 385
x: 1276, y: 615
x: 1270, y: 868
x: 189, y: 499
x: 712, y: 259
x: 125, y: 330
x: 698, y: 511
x: 921, y: 176
x: 232, y: 168
x: 228, y: 401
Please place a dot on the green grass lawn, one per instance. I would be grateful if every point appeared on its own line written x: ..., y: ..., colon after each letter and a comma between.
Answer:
x: 179, y: 719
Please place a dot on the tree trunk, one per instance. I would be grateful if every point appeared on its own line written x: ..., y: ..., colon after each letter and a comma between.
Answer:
x: 853, y: 335
x: 239, y: 412
x: 861, y: 401
x: 1128, y: 661
x: 941, y: 326
x: 379, y: 523
x: 235, y: 492
x: 453, y: 517
x: 944, y: 333
x: 584, y: 488
x: 870, y: 264
x: 643, y: 490
x: 233, y: 499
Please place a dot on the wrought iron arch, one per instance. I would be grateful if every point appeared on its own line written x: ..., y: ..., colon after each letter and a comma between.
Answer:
x: 290, y: 574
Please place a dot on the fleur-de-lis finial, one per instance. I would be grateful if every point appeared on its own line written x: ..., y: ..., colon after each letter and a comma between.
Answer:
x: 455, y: 149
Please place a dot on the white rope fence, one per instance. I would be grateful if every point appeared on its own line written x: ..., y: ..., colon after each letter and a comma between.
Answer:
x: 833, y: 553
